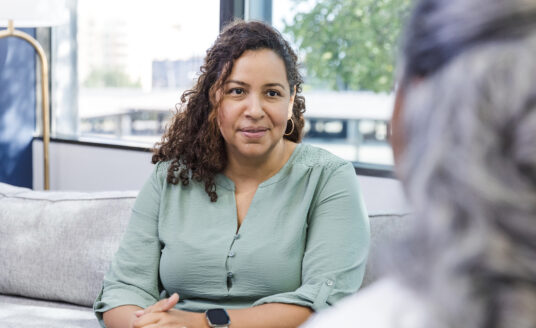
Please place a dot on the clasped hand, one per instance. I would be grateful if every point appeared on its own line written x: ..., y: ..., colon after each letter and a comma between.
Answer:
x: 162, y: 314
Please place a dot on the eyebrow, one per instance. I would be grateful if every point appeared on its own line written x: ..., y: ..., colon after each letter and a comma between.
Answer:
x: 266, y: 85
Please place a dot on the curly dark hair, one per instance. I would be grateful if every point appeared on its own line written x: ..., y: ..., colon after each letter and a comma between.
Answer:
x: 192, y: 141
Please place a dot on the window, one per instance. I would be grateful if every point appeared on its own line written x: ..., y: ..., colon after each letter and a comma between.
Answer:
x: 120, y: 66
x: 130, y: 65
x: 347, y: 48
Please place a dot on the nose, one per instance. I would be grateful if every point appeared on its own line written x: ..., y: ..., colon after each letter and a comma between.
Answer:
x: 254, y: 108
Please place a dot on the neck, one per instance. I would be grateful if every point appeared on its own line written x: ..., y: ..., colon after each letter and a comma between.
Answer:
x: 245, y: 169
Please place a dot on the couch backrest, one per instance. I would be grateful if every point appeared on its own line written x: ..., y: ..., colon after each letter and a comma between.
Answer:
x: 385, y: 229
x: 58, y: 245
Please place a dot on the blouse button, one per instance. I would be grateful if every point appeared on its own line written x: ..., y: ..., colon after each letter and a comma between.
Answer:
x: 237, y: 236
x: 231, y: 254
x: 229, y: 274
x: 329, y: 283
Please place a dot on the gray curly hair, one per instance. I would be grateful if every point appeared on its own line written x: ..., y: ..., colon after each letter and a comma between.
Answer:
x: 469, y: 160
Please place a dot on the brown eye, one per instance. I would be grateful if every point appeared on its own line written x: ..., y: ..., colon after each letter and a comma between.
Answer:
x: 273, y: 93
x: 235, y: 91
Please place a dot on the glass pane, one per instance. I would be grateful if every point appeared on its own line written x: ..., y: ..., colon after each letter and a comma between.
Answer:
x: 135, y: 58
x: 347, y: 48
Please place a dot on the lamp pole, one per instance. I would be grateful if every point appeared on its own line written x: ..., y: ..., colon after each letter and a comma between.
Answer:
x: 44, y: 90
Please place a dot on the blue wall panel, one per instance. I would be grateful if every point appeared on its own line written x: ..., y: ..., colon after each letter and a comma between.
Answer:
x: 17, y: 110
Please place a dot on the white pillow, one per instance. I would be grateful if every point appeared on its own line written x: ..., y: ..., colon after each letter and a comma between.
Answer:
x: 58, y: 245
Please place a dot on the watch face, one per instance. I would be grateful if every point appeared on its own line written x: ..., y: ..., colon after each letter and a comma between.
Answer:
x: 218, y: 317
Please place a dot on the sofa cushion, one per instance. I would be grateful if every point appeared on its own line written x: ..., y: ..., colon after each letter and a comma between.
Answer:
x: 19, y: 312
x: 58, y: 245
x: 385, y: 229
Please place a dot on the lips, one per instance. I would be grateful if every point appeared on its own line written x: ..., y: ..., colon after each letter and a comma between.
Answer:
x: 253, y: 132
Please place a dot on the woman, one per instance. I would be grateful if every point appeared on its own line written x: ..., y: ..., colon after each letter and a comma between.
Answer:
x: 465, y: 147
x: 238, y: 218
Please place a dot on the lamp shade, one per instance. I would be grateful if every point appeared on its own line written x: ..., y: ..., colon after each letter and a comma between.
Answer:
x: 33, y: 13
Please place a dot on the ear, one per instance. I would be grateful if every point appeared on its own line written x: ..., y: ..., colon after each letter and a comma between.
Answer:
x: 291, y: 103
x: 396, y: 126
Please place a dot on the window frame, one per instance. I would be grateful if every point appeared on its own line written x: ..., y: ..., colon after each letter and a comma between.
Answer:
x: 229, y: 10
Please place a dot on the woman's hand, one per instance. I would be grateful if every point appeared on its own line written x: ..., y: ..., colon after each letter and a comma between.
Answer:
x: 172, y: 318
x: 163, y: 305
x: 162, y: 314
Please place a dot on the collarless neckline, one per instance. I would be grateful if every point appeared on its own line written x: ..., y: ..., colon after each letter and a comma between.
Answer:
x: 224, y: 181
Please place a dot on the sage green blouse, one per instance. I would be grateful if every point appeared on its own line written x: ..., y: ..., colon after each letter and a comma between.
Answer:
x: 304, y: 241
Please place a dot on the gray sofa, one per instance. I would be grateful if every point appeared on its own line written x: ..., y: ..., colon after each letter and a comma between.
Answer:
x: 55, y: 248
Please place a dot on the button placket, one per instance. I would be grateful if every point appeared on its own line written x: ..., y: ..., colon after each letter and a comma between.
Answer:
x: 230, y: 254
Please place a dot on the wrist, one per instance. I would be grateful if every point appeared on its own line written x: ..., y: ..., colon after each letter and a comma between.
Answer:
x: 217, y: 317
x: 202, y: 320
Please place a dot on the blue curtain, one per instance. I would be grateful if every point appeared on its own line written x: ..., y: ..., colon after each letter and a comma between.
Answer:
x: 17, y: 109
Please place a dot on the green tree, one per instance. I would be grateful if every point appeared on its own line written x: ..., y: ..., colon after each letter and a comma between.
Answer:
x: 350, y: 44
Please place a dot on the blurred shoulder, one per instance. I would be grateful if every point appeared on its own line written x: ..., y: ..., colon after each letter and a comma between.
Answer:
x: 380, y: 305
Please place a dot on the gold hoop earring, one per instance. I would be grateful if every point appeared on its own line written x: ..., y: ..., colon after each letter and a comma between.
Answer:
x: 291, y: 130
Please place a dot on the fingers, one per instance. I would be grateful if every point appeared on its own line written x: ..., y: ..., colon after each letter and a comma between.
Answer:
x: 171, y: 302
x: 155, y: 325
x: 163, y: 305
x: 172, y: 318
x: 157, y: 319
x: 146, y: 320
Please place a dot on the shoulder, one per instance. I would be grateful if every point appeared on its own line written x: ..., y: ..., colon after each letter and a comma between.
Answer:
x: 379, y: 305
x: 161, y: 168
x: 315, y: 157
x: 320, y: 168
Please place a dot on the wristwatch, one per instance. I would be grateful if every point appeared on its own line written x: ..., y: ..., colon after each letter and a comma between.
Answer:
x: 218, y: 318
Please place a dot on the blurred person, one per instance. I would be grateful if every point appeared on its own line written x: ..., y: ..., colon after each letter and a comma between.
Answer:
x: 464, y: 140
x: 240, y: 224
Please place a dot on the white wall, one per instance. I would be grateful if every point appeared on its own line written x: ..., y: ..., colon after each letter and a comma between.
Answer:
x: 91, y: 168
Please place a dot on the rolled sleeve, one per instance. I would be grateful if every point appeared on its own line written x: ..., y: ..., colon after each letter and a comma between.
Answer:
x: 336, y: 251
x: 311, y: 295
x: 133, y: 275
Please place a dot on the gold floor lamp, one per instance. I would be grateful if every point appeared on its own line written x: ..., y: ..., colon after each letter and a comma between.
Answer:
x: 35, y: 13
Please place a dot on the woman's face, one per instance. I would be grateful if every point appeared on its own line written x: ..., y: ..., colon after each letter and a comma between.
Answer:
x: 256, y: 104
